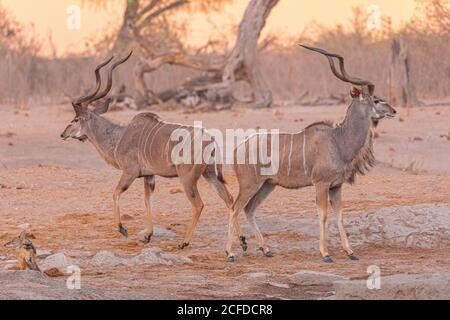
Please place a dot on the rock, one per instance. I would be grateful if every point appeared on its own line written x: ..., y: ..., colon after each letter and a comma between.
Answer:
x: 40, y: 253
x: 430, y: 286
x: 161, y: 232
x: 11, y: 267
x: 24, y: 226
x: 58, y: 260
x: 150, y: 256
x: 156, y: 256
x: 258, y: 276
x: 308, y: 246
x: 127, y: 217
x: 13, y: 261
x: 54, y: 272
x: 2, y: 258
x: 158, y: 232
x: 33, y: 285
x: 107, y: 259
x: 279, y: 285
x: 315, y: 278
x: 420, y: 226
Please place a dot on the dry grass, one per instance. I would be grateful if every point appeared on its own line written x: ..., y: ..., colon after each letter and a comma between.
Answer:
x: 27, y: 79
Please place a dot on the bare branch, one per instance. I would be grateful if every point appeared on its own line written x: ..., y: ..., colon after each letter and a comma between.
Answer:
x: 160, y: 11
x: 148, y: 8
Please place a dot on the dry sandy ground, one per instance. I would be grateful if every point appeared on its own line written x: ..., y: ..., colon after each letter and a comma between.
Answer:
x: 64, y: 190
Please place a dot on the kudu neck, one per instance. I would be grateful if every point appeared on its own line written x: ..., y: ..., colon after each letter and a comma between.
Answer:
x: 353, y: 131
x: 104, y: 135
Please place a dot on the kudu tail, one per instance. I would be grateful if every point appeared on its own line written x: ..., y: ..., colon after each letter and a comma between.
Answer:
x: 219, y: 174
x: 218, y: 160
x: 214, y: 175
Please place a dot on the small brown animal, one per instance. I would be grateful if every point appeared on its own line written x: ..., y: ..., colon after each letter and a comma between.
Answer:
x: 26, y: 254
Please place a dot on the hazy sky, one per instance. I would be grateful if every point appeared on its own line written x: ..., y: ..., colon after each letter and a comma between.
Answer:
x: 288, y: 18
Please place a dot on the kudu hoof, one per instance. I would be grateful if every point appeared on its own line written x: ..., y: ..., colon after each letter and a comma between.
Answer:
x: 327, y: 259
x: 123, y: 231
x: 353, y: 257
x: 230, y: 257
x: 243, y: 243
x: 147, y: 238
x: 266, y: 252
x: 183, y: 245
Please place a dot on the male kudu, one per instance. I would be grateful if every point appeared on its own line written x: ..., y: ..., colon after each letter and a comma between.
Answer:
x: 143, y: 149
x: 321, y: 155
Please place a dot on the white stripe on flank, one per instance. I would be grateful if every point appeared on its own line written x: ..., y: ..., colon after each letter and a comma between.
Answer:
x: 153, y: 139
x: 304, y: 153
x: 217, y: 156
x: 140, y: 144
x: 166, y: 150
x: 290, y: 155
x: 143, y: 142
x: 146, y: 143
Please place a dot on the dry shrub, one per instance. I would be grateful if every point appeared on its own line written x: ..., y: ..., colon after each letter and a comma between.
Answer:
x: 292, y: 71
x: 289, y: 70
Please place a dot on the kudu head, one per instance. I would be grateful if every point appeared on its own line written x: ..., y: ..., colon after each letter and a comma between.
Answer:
x: 78, y: 127
x: 362, y: 91
x: 20, y: 240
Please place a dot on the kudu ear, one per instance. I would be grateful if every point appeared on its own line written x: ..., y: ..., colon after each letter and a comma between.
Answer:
x: 355, y: 92
x: 79, y: 110
x: 23, y: 236
x: 102, y: 107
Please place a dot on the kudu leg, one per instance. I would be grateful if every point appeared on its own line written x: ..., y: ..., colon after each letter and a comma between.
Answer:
x: 149, y: 187
x: 225, y: 195
x: 191, y: 190
x: 250, y: 210
x: 123, y: 185
x: 322, y: 206
x: 336, y: 204
x: 231, y: 228
x: 241, y: 201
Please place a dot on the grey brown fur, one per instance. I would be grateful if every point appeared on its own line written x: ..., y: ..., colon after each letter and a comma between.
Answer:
x: 321, y: 155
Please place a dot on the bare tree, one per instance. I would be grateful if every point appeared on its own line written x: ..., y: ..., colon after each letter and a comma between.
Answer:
x: 243, y: 61
x: 401, y: 88
x: 148, y: 18
x: 436, y: 15
x: 216, y: 88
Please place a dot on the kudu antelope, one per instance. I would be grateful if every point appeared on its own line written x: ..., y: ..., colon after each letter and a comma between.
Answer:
x: 321, y: 155
x: 142, y: 149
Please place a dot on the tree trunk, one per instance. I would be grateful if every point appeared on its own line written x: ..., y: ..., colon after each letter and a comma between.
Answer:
x: 125, y: 36
x: 401, y: 88
x: 243, y: 61
x: 242, y: 64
